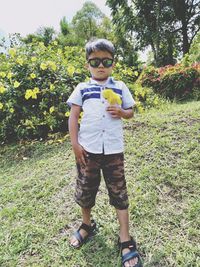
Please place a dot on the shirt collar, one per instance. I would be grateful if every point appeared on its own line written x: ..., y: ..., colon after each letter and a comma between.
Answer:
x: 110, y: 80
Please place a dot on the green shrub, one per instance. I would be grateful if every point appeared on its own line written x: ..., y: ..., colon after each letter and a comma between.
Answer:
x: 35, y: 82
x: 145, y: 97
x: 179, y: 82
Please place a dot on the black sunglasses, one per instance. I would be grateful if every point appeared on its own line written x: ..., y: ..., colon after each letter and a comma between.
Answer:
x: 95, y: 62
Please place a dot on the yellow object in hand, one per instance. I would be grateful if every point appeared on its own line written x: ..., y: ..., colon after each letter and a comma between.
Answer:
x: 112, y: 97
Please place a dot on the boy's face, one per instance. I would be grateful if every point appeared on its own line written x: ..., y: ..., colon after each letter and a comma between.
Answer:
x: 101, y: 72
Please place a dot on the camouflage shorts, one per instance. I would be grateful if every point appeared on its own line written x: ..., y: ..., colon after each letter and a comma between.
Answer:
x: 89, y: 176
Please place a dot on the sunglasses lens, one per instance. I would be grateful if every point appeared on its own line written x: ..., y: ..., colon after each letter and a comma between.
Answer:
x: 107, y: 62
x: 94, y: 62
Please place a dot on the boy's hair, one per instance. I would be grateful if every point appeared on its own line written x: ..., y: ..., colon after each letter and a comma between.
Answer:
x: 99, y: 45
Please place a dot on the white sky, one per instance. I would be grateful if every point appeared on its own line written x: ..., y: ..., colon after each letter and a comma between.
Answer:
x: 26, y: 16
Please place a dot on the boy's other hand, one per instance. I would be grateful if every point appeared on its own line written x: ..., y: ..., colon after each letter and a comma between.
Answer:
x: 118, y: 112
x: 115, y: 111
x: 80, y: 154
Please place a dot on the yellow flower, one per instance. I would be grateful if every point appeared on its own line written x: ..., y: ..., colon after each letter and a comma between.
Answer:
x: 71, y: 70
x: 2, y: 89
x: 12, y: 110
x: 32, y: 93
x: 28, y: 94
x: 29, y: 124
x: 20, y: 61
x: 67, y: 114
x: 10, y: 74
x: 32, y: 75
x: 1, y: 105
x: 35, y: 92
x: 16, y: 84
x: 2, y: 74
x: 33, y: 59
x: 52, y: 65
x: 52, y: 87
x: 112, y: 97
x: 52, y: 109
x: 43, y: 66
x: 136, y: 73
x: 55, y: 43
x: 12, y: 52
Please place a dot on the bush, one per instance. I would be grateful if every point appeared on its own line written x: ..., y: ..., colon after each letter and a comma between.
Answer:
x: 180, y: 82
x: 145, y: 97
x: 35, y: 82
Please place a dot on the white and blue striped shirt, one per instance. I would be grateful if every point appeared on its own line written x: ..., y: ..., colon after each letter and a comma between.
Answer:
x: 99, y: 132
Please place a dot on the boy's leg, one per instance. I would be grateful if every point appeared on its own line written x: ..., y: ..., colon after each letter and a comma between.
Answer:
x: 113, y: 171
x: 86, y: 213
x: 123, y: 218
x: 87, y: 184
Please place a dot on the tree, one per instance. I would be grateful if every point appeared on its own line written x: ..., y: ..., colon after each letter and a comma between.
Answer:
x: 43, y: 34
x: 187, y: 12
x: 155, y: 23
x: 87, y: 21
x: 64, y: 26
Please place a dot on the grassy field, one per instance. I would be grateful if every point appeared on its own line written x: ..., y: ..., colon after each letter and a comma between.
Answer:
x: 38, y: 214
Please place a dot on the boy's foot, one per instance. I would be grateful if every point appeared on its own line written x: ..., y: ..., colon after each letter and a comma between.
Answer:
x: 130, y: 256
x: 131, y: 262
x: 82, y: 234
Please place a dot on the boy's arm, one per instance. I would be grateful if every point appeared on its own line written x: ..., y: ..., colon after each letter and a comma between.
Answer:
x: 79, y: 152
x: 118, y: 112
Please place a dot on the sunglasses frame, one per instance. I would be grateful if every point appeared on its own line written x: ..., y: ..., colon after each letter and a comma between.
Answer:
x: 101, y: 60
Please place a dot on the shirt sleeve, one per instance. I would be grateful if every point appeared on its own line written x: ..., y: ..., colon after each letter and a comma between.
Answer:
x: 75, y: 97
x: 127, y: 99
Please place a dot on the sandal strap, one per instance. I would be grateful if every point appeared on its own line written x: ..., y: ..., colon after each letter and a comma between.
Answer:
x: 131, y: 244
x: 88, y: 228
x: 78, y: 236
x: 130, y: 255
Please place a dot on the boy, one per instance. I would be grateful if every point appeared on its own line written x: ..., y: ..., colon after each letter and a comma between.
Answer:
x: 98, y: 145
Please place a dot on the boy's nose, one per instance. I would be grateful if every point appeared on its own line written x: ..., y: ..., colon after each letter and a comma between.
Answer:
x: 101, y: 65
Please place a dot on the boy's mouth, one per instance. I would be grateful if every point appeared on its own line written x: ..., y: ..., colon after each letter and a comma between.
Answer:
x: 101, y: 71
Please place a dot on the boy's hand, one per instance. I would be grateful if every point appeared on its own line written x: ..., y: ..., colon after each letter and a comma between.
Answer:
x: 80, y: 154
x: 118, y: 112
x: 115, y: 111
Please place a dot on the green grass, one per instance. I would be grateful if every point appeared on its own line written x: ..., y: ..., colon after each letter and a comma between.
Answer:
x: 38, y: 214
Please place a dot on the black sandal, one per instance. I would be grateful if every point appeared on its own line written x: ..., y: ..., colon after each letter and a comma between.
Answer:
x: 90, y: 229
x: 131, y: 245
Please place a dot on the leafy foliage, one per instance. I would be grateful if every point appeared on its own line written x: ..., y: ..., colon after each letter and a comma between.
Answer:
x: 167, y: 26
x: 179, y: 81
x: 35, y: 82
x: 87, y: 20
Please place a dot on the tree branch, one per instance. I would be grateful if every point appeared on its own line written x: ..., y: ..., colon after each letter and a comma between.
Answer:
x: 194, y: 35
